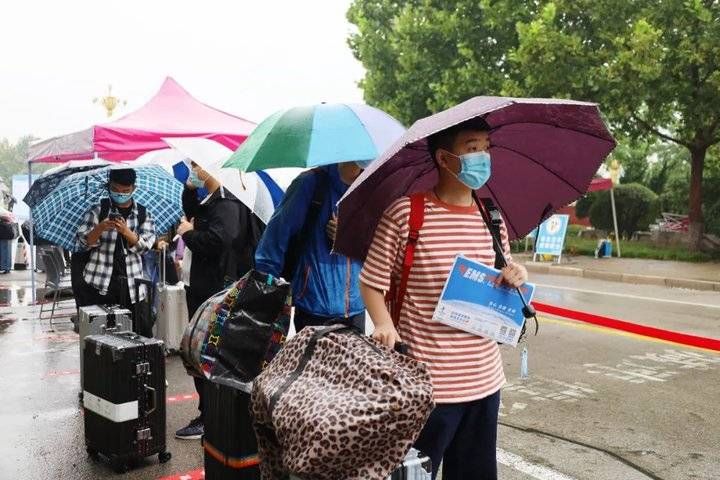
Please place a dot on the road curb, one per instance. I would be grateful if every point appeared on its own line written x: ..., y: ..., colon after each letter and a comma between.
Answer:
x: 544, y: 268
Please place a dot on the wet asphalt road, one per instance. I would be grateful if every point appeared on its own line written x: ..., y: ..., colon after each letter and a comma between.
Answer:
x: 599, y: 404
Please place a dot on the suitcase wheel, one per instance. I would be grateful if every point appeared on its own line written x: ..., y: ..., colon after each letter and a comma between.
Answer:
x: 164, y: 457
x: 92, y: 453
x: 120, y: 466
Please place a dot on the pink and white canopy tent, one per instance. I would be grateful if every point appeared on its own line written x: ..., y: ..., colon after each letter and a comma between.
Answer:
x: 172, y: 112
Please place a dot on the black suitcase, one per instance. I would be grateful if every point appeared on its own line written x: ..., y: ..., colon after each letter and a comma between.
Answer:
x: 229, y: 441
x: 124, y: 381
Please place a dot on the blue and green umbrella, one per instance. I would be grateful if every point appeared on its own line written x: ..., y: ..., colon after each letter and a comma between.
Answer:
x: 317, y: 135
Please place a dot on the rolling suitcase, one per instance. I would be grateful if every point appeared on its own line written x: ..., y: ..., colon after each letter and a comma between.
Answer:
x: 416, y: 466
x: 95, y: 320
x: 229, y: 441
x: 172, y: 312
x: 124, y: 399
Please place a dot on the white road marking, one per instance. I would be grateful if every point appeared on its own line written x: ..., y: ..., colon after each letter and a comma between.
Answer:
x: 539, y: 472
x: 626, y: 295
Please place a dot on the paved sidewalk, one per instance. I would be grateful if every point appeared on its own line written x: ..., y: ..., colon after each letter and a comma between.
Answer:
x: 697, y: 276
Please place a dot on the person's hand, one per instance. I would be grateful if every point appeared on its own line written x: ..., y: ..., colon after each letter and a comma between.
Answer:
x: 120, y: 225
x: 106, y: 225
x: 514, y: 275
x: 386, y: 334
x: 331, y: 228
x: 162, y: 245
x: 185, y: 226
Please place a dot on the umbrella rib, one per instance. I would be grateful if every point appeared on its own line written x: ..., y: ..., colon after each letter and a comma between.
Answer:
x: 543, y: 166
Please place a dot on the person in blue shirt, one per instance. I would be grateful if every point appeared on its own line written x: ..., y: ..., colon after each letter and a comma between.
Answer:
x: 325, y: 285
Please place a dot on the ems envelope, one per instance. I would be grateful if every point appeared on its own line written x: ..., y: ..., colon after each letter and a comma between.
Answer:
x: 472, y: 302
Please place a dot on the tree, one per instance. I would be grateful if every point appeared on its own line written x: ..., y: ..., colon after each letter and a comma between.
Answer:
x: 633, y: 156
x: 668, y: 160
x: 637, y: 207
x: 711, y: 187
x: 13, y: 157
x: 582, y: 207
x: 652, y: 65
x: 422, y: 56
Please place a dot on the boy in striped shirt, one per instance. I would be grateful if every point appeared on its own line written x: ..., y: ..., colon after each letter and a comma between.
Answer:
x: 466, y: 369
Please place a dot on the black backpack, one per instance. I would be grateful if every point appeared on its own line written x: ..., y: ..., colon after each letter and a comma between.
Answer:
x: 9, y: 230
x: 79, y: 260
x: 246, y: 253
x: 298, y: 242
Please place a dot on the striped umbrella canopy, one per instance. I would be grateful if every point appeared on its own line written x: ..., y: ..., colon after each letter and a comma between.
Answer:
x: 306, y: 137
x: 59, y: 215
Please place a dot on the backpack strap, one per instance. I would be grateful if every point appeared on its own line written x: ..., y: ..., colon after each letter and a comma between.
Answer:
x: 142, y: 215
x: 104, y: 209
x: 415, y: 222
x: 493, y: 219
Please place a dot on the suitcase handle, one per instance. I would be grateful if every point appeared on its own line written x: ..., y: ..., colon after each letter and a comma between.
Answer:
x: 402, y: 348
x: 153, y: 396
x: 163, y: 273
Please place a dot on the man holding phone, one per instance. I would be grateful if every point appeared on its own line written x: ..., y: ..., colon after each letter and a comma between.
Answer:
x: 113, y: 236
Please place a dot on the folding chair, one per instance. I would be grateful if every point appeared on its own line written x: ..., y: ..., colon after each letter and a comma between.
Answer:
x: 54, y: 281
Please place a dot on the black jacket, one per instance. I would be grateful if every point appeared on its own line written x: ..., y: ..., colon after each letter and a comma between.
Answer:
x: 217, y: 241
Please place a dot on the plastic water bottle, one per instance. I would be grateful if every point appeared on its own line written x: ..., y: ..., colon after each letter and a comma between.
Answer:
x: 524, y: 363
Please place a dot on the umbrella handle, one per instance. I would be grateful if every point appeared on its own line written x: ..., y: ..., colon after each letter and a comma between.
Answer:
x: 528, y: 310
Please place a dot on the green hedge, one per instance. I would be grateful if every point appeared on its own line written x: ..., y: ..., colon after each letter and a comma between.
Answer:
x: 637, y: 207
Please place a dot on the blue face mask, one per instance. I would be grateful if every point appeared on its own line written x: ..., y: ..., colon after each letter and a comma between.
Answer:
x: 194, y: 180
x: 474, y: 169
x: 120, y: 198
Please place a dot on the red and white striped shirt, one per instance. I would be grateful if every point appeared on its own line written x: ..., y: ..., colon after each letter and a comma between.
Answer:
x: 463, y: 366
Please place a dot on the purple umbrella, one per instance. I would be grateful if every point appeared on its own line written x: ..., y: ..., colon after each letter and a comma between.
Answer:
x: 544, y: 155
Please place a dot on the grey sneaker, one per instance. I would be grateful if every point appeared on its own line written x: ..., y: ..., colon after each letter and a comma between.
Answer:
x: 194, y: 430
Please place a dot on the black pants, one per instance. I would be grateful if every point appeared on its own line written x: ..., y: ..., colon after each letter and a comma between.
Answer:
x: 463, y: 436
x: 304, y: 319
x: 194, y: 301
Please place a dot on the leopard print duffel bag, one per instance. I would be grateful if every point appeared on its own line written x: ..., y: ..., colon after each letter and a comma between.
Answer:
x: 336, y: 405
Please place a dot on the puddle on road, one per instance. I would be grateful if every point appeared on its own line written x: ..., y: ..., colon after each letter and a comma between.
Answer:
x: 21, y: 296
x: 17, y: 296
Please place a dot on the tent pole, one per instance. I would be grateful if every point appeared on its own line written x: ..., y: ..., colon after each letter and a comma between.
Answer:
x: 31, y: 247
x: 614, y: 212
